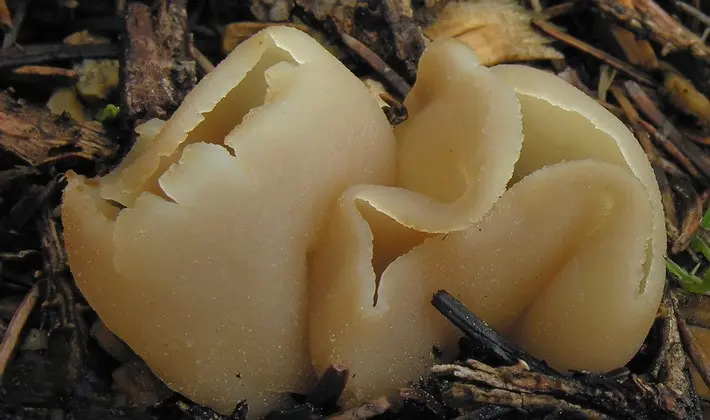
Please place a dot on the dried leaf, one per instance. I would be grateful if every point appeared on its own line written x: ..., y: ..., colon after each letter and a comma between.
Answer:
x: 499, y: 31
x: 65, y: 100
x: 639, y: 52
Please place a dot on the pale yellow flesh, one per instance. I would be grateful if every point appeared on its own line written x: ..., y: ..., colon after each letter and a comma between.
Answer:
x: 261, y: 217
x: 562, y: 243
x: 211, y: 289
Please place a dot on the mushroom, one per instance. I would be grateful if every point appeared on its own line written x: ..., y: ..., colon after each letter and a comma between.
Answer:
x: 276, y: 224
x: 457, y: 150
x: 202, y: 267
x: 567, y: 240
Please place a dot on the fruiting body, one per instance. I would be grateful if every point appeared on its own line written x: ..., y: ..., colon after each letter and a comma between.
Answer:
x: 276, y: 223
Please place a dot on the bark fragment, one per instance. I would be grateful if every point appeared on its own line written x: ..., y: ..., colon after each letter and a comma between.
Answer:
x: 37, y: 137
x: 157, y: 67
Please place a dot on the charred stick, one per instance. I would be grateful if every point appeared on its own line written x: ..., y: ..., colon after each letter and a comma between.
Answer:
x: 478, y: 330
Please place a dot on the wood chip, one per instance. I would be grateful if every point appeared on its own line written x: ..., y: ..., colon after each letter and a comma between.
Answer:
x: 37, y: 137
x: 158, y: 68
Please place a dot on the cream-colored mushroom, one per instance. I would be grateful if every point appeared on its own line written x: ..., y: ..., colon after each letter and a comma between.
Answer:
x: 279, y: 173
x: 561, y: 123
x: 555, y: 265
x: 562, y: 257
x: 456, y: 154
x: 203, y: 273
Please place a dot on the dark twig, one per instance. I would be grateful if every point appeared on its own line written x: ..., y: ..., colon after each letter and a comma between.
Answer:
x: 620, y: 65
x: 45, y: 53
x: 390, y: 76
x: 479, y: 331
x: 692, y: 11
x: 44, y: 74
x: 672, y: 396
x: 12, y: 335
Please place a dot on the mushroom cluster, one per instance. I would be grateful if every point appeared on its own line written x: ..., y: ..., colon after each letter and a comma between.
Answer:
x: 276, y: 224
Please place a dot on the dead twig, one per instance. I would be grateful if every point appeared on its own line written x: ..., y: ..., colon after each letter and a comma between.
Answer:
x: 14, y: 330
x: 648, y: 147
x: 647, y: 18
x: 694, y: 12
x: 614, y: 62
x: 44, y: 74
x: 390, y: 76
x: 45, y: 53
x: 582, y: 395
x: 202, y: 60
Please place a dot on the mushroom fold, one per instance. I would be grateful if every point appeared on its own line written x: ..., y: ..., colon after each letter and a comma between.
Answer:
x: 277, y: 224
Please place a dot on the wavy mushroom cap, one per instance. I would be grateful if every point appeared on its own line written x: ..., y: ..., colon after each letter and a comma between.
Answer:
x: 204, y: 272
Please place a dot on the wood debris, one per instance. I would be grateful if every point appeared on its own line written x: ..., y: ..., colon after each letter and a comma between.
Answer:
x: 11, y: 338
x: 37, y: 137
x: 499, y: 31
x: 158, y: 69
x: 45, y: 74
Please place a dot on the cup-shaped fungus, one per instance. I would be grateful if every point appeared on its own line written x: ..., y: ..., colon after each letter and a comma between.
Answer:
x: 456, y: 150
x: 203, y: 273
x: 563, y: 256
x: 279, y: 173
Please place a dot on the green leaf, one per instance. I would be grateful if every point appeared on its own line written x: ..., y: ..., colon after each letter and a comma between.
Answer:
x: 109, y: 113
x: 705, y: 222
x: 689, y: 281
